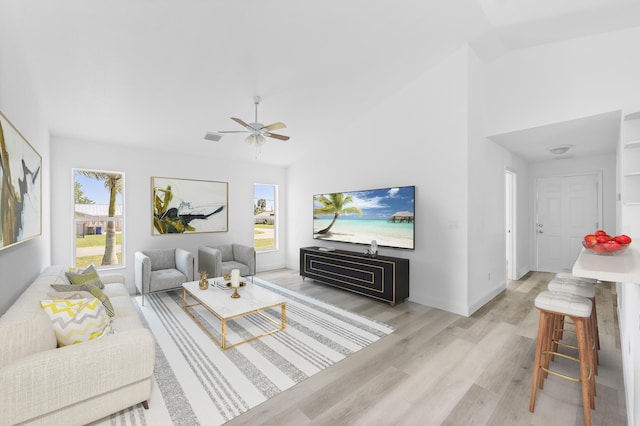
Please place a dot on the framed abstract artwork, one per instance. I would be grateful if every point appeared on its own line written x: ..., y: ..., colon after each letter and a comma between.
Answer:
x: 20, y: 187
x: 186, y: 206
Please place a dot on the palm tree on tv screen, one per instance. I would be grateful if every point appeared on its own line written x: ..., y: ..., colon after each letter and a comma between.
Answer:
x: 113, y: 184
x: 335, y: 204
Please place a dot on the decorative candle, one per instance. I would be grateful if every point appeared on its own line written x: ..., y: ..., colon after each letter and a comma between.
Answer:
x: 235, y: 278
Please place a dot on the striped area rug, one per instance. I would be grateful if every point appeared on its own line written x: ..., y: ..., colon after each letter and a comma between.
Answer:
x: 197, y: 383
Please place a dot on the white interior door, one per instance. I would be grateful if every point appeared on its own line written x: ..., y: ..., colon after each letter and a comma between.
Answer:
x: 568, y: 207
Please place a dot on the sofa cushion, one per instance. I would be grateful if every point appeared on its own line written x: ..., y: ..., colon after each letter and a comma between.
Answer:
x: 95, y: 291
x: 127, y: 318
x: 86, y: 276
x: 116, y: 290
x: 112, y: 278
x: 76, y: 320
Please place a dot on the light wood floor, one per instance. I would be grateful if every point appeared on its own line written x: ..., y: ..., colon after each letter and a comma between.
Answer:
x: 441, y: 368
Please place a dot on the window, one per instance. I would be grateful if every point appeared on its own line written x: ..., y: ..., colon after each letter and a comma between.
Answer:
x: 264, y: 214
x: 98, y: 218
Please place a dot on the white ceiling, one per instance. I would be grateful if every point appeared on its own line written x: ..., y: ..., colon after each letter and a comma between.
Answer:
x: 160, y: 74
x: 588, y: 136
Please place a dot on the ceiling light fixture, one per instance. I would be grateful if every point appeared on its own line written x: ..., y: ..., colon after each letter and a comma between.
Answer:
x: 559, y: 149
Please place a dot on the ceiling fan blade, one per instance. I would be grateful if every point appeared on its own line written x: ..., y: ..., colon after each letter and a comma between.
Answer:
x: 213, y: 136
x: 232, y: 131
x: 275, y: 136
x: 240, y: 122
x: 275, y: 126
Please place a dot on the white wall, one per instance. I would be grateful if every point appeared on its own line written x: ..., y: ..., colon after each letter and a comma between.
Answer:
x: 19, y: 102
x: 560, y: 81
x: 487, y: 230
x: 138, y: 166
x: 417, y: 137
x: 486, y: 274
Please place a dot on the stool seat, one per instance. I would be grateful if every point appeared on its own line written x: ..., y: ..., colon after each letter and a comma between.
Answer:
x: 568, y: 304
x: 585, y: 287
x: 570, y: 276
x: 578, y: 288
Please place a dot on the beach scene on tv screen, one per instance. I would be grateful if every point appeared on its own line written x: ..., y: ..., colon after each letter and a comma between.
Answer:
x: 384, y: 215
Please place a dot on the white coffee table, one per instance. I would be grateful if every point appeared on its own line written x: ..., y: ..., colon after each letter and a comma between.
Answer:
x: 252, y: 300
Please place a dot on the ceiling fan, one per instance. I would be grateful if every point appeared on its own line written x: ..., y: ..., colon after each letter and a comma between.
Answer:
x: 257, y: 131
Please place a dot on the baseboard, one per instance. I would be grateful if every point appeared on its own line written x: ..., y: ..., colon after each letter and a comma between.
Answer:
x: 264, y: 267
x: 444, y: 305
x: 522, y: 272
x: 502, y: 286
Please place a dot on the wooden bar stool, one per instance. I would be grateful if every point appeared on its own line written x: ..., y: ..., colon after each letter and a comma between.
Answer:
x: 552, y: 307
x: 584, y: 287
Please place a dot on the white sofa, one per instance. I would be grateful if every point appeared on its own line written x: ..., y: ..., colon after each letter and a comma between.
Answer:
x: 77, y: 384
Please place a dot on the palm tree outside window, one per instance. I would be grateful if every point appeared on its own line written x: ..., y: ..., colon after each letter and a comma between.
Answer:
x: 98, y: 218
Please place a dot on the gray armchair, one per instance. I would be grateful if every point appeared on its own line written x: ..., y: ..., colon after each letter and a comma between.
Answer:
x: 162, y: 269
x: 220, y: 260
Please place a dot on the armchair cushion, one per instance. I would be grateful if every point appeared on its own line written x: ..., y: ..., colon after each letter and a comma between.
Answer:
x: 161, y: 258
x: 227, y: 252
x: 167, y: 279
x: 227, y: 267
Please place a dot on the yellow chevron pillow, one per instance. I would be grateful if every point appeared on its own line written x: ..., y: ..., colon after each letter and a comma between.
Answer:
x: 77, y: 320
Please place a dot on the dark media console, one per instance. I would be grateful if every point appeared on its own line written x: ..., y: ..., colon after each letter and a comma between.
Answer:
x: 382, y: 277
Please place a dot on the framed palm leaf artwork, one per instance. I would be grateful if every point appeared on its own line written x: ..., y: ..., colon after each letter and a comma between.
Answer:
x: 20, y: 187
x: 185, y: 206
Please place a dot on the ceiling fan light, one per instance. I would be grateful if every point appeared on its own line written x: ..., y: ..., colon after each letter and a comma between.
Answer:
x: 258, y: 132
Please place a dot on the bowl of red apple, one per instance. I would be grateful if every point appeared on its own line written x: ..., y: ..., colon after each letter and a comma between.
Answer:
x: 604, y: 244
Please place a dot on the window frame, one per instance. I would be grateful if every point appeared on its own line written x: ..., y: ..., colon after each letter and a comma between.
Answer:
x: 102, y: 219
x: 275, y: 216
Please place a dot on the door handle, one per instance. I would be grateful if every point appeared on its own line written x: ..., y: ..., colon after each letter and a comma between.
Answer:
x: 540, y: 231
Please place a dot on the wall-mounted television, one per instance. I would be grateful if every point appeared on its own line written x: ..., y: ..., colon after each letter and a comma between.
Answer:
x: 385, y: 215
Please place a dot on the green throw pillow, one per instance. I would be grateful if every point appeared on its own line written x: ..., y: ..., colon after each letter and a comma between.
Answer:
x: 94, y: 290
x: 60, y: 295
x: 86, y: 276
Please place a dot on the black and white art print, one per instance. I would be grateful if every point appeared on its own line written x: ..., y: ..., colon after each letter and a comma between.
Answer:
x: 189, y: 206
